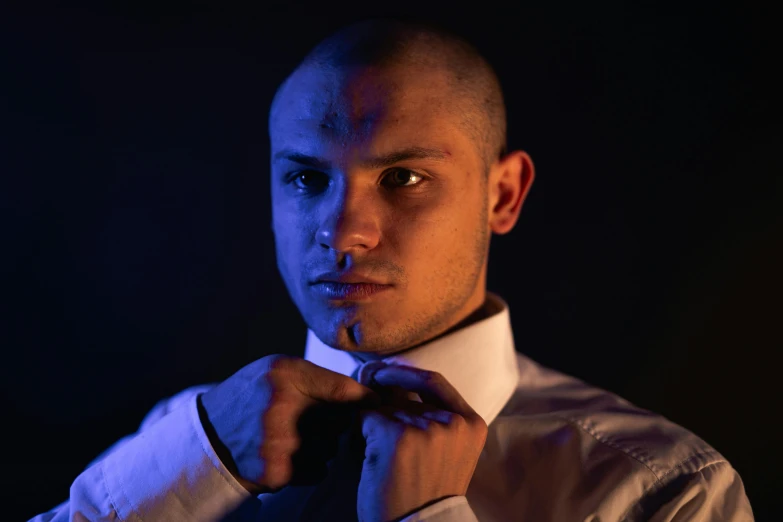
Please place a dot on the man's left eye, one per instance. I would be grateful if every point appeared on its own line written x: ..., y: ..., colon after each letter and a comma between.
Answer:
x: 403, y: 178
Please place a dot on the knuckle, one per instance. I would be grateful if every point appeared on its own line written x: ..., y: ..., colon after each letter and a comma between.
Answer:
x: 283, y: 374
x: 438, y: 434
x: 338, y: 390
x: 456, y: 422
x: 281, y: 362
x: 277, y: 472
x: 480, y: 429
x: 432, y: 377
x: 432, y: 431
x: 306, y: 378
x: 274, y: 392
x: 280, y: 437
x: 278, y: 423
x: 409, y: 436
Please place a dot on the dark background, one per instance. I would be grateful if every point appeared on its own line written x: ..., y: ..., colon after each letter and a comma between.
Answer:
x: 137, y: 257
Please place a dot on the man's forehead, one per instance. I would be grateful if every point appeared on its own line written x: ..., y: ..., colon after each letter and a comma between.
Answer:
x: 355, y: 102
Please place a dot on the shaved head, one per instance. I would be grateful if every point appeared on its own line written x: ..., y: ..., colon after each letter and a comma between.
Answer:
x: 388, y: 175
x: 474, y: 92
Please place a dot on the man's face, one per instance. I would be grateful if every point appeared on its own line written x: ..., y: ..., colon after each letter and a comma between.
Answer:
x: 374, y: 179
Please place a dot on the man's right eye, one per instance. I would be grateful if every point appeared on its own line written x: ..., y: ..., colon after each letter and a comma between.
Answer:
x: 310, y: 180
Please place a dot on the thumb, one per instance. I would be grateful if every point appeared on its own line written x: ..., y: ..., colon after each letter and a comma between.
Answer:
x: 389, y: 393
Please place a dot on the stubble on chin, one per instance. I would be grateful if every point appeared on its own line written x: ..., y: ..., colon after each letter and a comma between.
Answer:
x: 377, y: 336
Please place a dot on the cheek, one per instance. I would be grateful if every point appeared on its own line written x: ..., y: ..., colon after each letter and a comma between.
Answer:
x: 454, y: 229
x: 428, y: 233
x: 291, y: 237
x: 292, y: 223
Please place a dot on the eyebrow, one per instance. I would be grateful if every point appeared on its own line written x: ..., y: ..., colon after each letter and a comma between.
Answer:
x: 377, y: 162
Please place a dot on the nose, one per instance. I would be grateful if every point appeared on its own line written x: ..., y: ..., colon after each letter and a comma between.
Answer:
x: 351, y: 224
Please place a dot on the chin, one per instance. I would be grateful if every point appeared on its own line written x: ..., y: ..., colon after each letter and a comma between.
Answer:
x: 367, y: 329
x: 352, y: 336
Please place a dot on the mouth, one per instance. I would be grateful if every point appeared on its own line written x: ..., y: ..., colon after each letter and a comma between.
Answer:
x: 348, y: 291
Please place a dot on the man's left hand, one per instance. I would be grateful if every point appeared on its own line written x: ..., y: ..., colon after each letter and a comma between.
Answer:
x: 417, y: 453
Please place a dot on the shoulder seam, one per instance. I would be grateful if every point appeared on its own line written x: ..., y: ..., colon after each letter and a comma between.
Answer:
x: 693, y: 457
x: 608, y: 442
x: 659, y: 482
x: 630, y: 453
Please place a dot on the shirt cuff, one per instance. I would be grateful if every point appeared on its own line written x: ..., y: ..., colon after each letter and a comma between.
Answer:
x: 171, y: 472
x: 452, y: 509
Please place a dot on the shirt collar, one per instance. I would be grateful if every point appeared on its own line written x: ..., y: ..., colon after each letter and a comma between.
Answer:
x: 479, y: 360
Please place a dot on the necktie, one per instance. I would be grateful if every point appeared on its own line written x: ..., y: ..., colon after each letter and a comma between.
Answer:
x: 331, y: 500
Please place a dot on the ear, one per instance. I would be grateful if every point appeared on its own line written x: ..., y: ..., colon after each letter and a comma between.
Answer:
x: 509, y: 181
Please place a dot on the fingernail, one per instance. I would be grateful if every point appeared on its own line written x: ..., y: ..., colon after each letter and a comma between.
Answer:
x: 367, y: 372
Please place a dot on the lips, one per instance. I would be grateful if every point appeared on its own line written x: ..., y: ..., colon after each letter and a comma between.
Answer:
x: 347, y: 278
x: 348, y: 291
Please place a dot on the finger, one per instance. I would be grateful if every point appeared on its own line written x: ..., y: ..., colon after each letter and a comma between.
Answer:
x: 441, y: 416
x: 395, y: 394
x: 389, y: 394
x: 412, y: 419
x: 411, y: 407
x: 391, y: 419
x: 432, y: 387
x: 325, y: 385
x: 367, y: 370
x: 378, y: 424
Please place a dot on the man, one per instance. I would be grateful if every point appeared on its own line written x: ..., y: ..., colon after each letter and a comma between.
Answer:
x: 389, y: 172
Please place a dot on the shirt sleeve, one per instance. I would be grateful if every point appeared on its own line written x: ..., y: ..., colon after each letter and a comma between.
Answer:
x: 452, y: 509
x: 166, y: 471
x: 715, y: 493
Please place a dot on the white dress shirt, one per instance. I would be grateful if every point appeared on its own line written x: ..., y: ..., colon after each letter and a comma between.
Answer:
x: 557, y: 449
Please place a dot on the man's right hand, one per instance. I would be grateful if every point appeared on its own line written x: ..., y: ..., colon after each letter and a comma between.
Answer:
x: 277, y: 421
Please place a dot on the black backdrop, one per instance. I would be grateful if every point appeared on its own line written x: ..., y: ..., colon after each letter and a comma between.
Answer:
x: 137, y: 257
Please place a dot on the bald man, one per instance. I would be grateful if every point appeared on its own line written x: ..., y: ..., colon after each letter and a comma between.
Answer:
x: 389, y: 174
